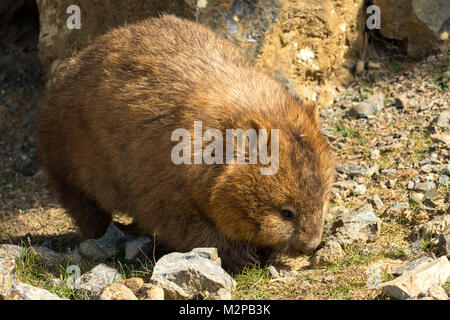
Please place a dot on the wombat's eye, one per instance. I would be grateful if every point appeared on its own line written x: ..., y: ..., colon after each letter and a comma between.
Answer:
x: 287, y: 214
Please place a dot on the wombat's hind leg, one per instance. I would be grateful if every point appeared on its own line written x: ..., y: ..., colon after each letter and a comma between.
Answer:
x: 91, y: 220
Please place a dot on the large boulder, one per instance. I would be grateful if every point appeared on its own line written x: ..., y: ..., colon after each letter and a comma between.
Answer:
x: 301, y: 43
x: 417, y: 22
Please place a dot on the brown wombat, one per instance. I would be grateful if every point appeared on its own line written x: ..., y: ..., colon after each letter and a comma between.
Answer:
x: 104, y: 135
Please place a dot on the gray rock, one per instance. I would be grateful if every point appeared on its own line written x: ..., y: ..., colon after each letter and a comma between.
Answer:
x: 444, y: 243
x: 411, y: 265
x: 418, y: 281
x: 364, y: 226
x: 191, y: 276
x: 427, y: 168
x: 23, y: 291
x: 98, y: 278
x: 136, y: 247
x: 7, y: 279
x: 396, y: 209
x: 432, y: 228
x: 8, y: 255
x: 329, y: 253
x: 346, y: 184
x: 359, y: 189
x: 424, y: 186
x: 356, y: 170
x: 369, y: 107
x: 414, y: 250
x: 48, y: 256
x: 377, y: 202
x: 416, y: 196
x: 273, y: 272
x: 104, y: 247
x: 443, y: 180
x: 443, y: 119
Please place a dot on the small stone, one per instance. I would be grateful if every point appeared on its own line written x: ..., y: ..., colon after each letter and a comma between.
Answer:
x: 427, y: 168
x: 359, y: 69
x: 410, y: 185
x: 443, y: 119
x: 443, y: 180
x: 436, y: 292
x: 346, y: 184
x: 8, y: 255
x: 104, y: 247
x: 98, y: 278
x: 364, y: 226
x: 359, y: 189
x: 418, y: 281
x: 209, y: 253
x: 396, y: 209
x: 391, y: 183
x: 356, y: 170
x: 273, y: 272
x: 117, y: 291
x: 388, y: 171
x: 375, y: 154
x: 54, y: 282
x: 432, y: 228
x: 151, y: 291
x: 414, y: 250
x: 373, y: 65
x: 23, y: 291
x: 444, y: 243
x: 424, y: 186
x: 369, y: 107
x: 137, y: 247
x: 330, y: 253
x: 377, y: 202
x: 416, y: 197
x: 441, y: 138
x: 134, y: 284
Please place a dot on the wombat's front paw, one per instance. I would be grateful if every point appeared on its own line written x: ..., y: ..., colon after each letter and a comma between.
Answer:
x: 236, y: 257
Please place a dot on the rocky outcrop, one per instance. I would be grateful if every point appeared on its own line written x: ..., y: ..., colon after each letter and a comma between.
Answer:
x: 300, y: 43
x: 418, y: 22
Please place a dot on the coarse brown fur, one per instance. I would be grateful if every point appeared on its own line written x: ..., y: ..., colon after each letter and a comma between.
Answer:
x: 104, y: 139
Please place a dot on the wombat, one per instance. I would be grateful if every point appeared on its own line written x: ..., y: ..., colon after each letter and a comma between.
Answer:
x: 104, y: 136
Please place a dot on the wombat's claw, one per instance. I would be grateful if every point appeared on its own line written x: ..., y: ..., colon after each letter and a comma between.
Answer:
x: 238, y: 257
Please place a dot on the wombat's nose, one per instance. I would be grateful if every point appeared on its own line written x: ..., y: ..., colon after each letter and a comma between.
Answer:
x: 310, y: 247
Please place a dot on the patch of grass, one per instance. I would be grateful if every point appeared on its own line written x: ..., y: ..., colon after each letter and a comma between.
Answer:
x: 443, y: 67
x: 31, y: 269
x: 251, y: 284
x: 345, y: 131
x: 396, y: 67
x: 441, y: 82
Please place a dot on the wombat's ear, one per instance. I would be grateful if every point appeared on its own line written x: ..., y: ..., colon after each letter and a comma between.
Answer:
x: 312, y: 111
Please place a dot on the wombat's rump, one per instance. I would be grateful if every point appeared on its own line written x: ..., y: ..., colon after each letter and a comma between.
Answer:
x: 104, y: 139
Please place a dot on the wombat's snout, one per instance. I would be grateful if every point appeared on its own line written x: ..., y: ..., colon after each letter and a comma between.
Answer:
x: 310, y: 247
x: 305, y: 248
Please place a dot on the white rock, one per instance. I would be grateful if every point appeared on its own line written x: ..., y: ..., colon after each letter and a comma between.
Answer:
x: 117, y: 291
x: 418, y: 281
x: 191, y: 276
x: 99, y: 277
x: 23, y: 291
